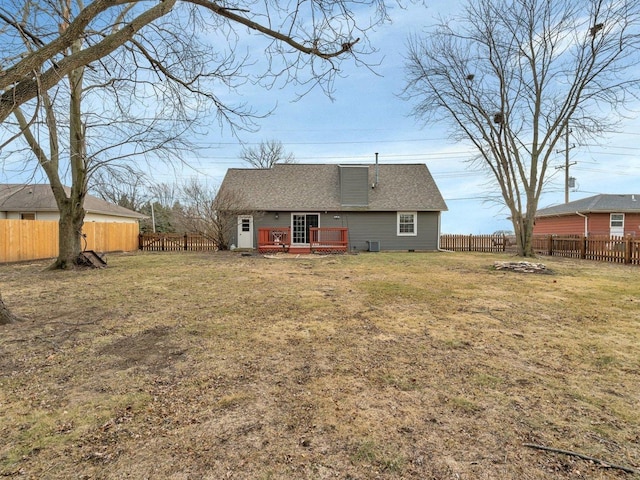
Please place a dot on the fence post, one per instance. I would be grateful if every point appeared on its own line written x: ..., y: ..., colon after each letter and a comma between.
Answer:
x: 583, y: 247
x: 550, y: 245
x: 185, y: 241
x: 470, y: 241
x: 627, y: 249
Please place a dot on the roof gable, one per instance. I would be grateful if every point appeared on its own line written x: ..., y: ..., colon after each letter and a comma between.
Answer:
x: 603, y: 203
x: 317, y: 187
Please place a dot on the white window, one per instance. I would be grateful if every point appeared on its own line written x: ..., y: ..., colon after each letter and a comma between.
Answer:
x: 616, y: 225
x: 407, y: 223
x: 617, y: 220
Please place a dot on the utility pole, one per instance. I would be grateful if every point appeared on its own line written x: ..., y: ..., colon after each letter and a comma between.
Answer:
x: 567, y: 164
x: 153, y: 218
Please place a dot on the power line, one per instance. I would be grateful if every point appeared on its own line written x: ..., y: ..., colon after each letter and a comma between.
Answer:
x: 209, y: 144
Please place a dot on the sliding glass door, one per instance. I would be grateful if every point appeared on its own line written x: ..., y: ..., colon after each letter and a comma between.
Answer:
x: 300, y: 225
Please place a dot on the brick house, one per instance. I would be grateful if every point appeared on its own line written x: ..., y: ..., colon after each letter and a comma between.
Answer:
x: 600, y: 215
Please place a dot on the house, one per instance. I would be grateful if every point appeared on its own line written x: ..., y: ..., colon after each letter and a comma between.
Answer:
x: 607, y: 215
x: 36, y: 202
x: 328, y: 207
x: 107, y: 227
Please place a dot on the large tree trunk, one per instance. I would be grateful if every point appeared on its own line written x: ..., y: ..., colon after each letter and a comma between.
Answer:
x: 69, y: 234
x: 72, y: 207
x: 6, y: 317
x: 523, y: 226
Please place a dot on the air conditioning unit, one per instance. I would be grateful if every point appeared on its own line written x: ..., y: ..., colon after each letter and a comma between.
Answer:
x: 374, y: 245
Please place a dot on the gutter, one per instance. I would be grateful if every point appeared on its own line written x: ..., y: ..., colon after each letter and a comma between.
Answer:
x: 586, y: 218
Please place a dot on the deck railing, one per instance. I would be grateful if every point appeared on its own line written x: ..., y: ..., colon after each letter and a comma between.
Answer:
x: 329, y: 239
x: 274, y: 239
x: 278, y: 239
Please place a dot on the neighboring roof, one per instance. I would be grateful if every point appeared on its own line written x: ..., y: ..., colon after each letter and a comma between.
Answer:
x: 603, y: 203
x: 296, y: 186
x: 39, y: 198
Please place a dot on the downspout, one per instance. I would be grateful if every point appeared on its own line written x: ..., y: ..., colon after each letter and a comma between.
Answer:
x: 440, y: 234
x: 586, y: 224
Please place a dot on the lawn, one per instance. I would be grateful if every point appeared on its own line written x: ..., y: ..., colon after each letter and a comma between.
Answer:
x: 389, y: 365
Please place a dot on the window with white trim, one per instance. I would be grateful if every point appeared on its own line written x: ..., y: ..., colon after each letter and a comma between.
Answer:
x: 407, y: 223
x: 617, y: 220
x: 616, y: 225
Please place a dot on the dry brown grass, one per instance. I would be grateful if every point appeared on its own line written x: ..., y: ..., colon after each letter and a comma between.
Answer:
x: 404, y: 365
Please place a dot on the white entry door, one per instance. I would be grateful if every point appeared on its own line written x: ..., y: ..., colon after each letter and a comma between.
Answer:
x: 245, y: 231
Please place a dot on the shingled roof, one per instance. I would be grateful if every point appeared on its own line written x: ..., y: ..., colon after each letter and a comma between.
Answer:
x: 311, y: 187
x: 603, y: 203
x: 39, y: 198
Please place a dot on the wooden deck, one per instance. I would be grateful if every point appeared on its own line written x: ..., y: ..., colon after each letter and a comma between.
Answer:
x: 321, y: 240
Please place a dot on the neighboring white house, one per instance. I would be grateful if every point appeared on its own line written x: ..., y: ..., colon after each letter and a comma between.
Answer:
x: 36, y: 202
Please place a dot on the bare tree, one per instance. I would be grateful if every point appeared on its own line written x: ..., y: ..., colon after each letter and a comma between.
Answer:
x: 163, y: 209
x: 165, y: 60
x: 511, y: 76
x: 166, y: 194
x: 266, y: 154
x: 211, y: 211
x: 86, y: 152
x: 70, y: 202
x: 176, y: 50
x: 311, y: 36
x: 126, y: 187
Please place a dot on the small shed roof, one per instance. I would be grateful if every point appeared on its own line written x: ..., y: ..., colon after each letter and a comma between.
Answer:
x: 603, y: 203
x: 315, y: 187
x: 39, y: 198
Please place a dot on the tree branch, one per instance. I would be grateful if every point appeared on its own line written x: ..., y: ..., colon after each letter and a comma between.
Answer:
x: 314, y: 50
x: 602, y: 463
x: 26, y: 87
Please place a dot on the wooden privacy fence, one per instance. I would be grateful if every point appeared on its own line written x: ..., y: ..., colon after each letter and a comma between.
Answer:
x: 607, y: 249
x: 601, y: 248
x: 173, y: 242
x: 475, y: 243
x: 22, y: 240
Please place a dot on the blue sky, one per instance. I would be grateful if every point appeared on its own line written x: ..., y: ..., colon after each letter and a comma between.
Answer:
x: 367, y: 116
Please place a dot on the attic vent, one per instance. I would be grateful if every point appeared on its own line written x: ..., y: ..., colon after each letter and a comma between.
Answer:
x: 374, y: 245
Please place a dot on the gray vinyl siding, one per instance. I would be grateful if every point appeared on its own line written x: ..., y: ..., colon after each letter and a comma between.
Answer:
x: 364, y: 226
x: 354, y: 186
x: 382, y: 227
x: 268, y: 219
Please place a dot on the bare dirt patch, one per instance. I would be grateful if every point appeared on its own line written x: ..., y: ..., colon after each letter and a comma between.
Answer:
x: 355, y: 367
x: 153, y: 349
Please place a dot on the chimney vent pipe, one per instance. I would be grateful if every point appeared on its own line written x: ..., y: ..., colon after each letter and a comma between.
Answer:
x: 377, y: 171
